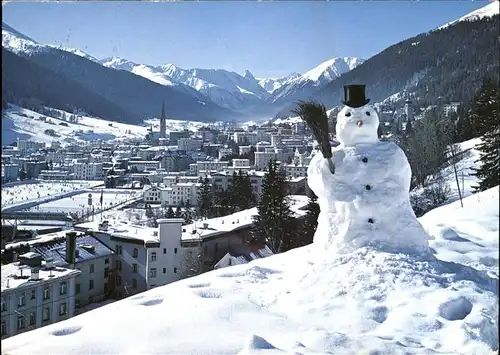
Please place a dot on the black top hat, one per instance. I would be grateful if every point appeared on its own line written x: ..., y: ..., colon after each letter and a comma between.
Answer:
x: 355, y: 96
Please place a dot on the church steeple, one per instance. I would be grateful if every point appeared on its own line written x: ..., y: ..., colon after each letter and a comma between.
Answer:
x: 163, y: 121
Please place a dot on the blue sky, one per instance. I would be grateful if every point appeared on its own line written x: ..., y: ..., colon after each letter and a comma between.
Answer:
x: 268, y: 38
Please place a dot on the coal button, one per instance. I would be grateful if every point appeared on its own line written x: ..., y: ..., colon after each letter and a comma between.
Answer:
x: 370, y: 220
x: 364, y: 160
x: 368, y: 187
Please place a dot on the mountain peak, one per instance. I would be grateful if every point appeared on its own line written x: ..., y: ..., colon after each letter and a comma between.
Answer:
x: 489, y: 10
x: 248, y: 75
x: 332, y: 68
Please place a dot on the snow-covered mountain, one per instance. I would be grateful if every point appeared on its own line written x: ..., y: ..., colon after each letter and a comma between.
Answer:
x: 489, y: 10
x: 115, y: 95
x: 225, y: 88
x: 19, y: 43
x: 273, y: 84
x: 313, y: 80
x: 365, y: 302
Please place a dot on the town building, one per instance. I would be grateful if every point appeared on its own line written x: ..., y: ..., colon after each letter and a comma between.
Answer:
x: 35, y: 293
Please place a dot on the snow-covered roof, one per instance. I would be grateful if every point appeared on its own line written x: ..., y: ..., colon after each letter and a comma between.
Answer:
x: 241, y: 219
x: 14, y: 275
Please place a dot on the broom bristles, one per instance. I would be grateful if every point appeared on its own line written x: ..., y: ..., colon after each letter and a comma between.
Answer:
x: 314, y: 114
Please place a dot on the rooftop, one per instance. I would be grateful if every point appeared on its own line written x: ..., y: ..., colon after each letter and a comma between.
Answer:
x: 219, y: 225
x: 16, y: 276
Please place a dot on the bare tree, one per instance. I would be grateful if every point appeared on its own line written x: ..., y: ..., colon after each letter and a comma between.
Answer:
x: 192, y: 263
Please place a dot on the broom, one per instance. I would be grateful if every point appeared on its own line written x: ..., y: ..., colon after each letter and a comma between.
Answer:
x: 314, y: 114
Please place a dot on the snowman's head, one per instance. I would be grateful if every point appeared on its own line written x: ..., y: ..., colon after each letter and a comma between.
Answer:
x: 357, y: 125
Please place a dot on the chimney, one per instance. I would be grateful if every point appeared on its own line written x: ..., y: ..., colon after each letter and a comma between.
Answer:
x: 35, y: 274
x: 205, y: 225
x: 70, y: 247
x: 14, y: 257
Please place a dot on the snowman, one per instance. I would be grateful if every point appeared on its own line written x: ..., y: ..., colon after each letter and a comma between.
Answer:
x: 365, y: 202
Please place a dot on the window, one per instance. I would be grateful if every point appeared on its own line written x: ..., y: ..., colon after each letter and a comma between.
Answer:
x: 77, y: 303
x: 4, y: 328
x: 20, y: 322
x: 106, y: 272
x: 134, y: 267
x: 134, y: 283
x: 136, y: 253
x: 46, y: 314
x: 153, y: 256
x: 118, y: 265
x: 153, y: 272
x: 63, y: 309
x: 175, y: 270
x: 91, y: 299
x: 46, y: 293
x: 106, y: 289
x: 175, y: 250
x: 77, y: 289
x: 118, y: 280
x: 22, y: 300
x: 63, y: 288
x: 118, y: 249
x: 33, y: 294
x: 164, y: 250
x: 91, y: 268
x: 91, y: 284
x: 164, y: 270
x: 32, y: 318
x: 106, y: 261
x: 4, y: 305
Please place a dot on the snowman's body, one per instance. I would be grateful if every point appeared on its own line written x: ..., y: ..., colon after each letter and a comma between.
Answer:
x: 366, y: 201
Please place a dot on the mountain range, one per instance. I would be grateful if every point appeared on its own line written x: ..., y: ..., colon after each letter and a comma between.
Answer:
x: 120, y: 89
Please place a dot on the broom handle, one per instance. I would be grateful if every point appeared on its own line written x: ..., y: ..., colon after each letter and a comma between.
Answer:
x: 327, y: 154
x: 331, y: 165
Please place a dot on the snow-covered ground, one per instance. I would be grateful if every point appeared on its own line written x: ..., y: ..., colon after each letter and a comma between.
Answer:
x: 33, y: 192
x: 79, y: 203
x: 465, y: 166
x: 368, y: 302
x: 22, y: 123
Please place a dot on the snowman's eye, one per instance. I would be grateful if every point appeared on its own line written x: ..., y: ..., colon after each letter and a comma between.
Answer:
x: 367, y: 113
x: 347, y: 114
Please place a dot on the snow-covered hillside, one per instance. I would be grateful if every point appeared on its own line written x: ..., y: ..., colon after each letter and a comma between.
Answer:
x: 486, y: 11
x: 364, y: 302
x: 22, y: 123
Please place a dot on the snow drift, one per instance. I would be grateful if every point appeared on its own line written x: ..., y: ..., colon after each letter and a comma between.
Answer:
x: 366, y: 301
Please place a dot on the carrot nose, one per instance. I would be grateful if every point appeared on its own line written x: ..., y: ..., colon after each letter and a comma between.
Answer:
x: 359, y: 123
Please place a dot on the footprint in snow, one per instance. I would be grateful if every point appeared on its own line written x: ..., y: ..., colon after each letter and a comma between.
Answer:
x: 455, y: 309
x: 152, y: 302
x: 200, y: 285
x: 66, y: 331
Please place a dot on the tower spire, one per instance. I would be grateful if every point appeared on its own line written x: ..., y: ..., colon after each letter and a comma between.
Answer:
x: 163, y: 121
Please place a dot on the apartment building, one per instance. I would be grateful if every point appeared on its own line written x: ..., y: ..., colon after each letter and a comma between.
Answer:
x: 35, y: 293
x: 144, y: 257
x: 10, y: 172
x: 85, y: 253
x: 88, y: 171
x: 208, y: 165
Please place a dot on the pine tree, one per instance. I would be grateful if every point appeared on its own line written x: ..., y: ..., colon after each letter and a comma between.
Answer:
x: 310, y: 222
x: 205, y: 198
x: 485, y: 123
x: 188, y: 213
x: 274, y: 223
x: 178, y: 212
x: 170, y: 213
x: 488, y: 172
x: 484, y: 112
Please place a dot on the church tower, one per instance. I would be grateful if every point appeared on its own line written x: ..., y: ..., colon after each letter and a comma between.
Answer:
x: 163, y: 122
